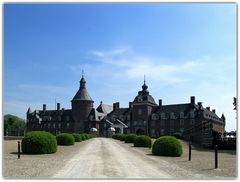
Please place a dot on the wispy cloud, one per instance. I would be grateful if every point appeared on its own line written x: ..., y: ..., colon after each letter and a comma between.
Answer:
x: 134, y: 66
x: 109, y: 53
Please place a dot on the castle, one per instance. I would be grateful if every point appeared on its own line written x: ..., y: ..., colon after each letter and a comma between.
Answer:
x: 142, y: 116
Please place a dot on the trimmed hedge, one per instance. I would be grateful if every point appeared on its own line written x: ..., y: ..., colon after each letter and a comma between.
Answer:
x: 39, y: 142
x: 143, y: 141
x: 177, y: 135
x: 77, y: 137
x: 122, y: 137
x: 129, y: 138
x: 65, y: 139
x: 115, y: 136
x: 167, y: 146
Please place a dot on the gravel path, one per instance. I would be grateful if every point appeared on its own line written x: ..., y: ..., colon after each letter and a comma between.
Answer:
x: 35, y: 166
x: 104, y: 158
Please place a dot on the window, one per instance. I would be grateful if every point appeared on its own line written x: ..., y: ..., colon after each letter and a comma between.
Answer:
x: 67, y: 118
x: 162, y: 115
x: 181, y: 122
x: 49, y: 125
x: 162, y: 131
x: 104, y: 125
x: 171, y: 123
x: 91, y: 118
x: 154, y: 116
x: 67, y: 125
x: 128, y: 124
x: 181, y: 114
x: 53, y: 125
x: 128, y: 117
x: 144, y: 122
x: 172, y: 116
x: 192, y: 114
x: 152, y: 131
x: 59, y: 118
x: 59, y: 125
x: 135, y: 123
x: 139, y: 111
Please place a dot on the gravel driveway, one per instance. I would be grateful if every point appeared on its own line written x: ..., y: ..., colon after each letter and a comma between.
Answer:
x: 105, y: 158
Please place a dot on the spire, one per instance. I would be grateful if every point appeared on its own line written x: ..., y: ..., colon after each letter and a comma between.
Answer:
x: 29, y: 110
x: 223, y: 117
x: 82, y: 81
x: 144, y: 87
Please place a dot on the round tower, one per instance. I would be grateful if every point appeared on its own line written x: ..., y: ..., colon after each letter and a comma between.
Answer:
x: 82, y: 104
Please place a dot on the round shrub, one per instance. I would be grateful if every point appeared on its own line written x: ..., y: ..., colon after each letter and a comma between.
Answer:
x: 143, y: 141
x: 130, y: 138
x: 167, y: 146
x: 65, y: 139
x: 39, y: 142
x: 177, y: 135
x: 77, y: 137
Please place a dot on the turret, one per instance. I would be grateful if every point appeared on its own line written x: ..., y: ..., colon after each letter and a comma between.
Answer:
x: 82, y: 103
x: 223, y: 118
x: 29, y: 111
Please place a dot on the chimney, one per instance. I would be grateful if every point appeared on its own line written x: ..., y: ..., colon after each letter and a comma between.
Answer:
x: 213, y: 110
x: 192, y: 98
x: 208, y: 108
x: 115, y: 105
x: 160, y: 102
x: 44, y: 107
x: 58, y: 106
x: 130, y: 104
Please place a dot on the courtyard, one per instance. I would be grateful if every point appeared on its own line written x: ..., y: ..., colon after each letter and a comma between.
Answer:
x: 105, y: 158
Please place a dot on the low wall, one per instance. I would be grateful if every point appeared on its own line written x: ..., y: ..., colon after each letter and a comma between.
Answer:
x: 13, y: 137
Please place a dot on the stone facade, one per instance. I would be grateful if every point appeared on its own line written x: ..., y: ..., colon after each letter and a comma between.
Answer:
x: 142, y: 116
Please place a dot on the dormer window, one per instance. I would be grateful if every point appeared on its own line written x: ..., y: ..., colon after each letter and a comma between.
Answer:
x: 181, y: 114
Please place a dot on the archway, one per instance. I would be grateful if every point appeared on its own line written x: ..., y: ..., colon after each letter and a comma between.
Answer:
x: 140, y: 131
x: 117, y: 130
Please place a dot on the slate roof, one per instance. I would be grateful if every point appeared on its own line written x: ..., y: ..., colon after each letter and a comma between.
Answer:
x: 82, y: 93
x: 118, y: 112
x: 104, y: 108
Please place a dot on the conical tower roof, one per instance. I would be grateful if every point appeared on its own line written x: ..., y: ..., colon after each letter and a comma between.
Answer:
x: 82, y: 93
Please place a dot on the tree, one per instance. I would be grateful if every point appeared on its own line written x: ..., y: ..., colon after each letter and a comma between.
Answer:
x: 13, y: 125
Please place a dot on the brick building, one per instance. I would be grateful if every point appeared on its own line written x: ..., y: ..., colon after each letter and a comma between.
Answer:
x: 142, y: 116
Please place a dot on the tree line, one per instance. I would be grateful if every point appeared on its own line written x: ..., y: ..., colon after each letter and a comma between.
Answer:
x: 13, y: 125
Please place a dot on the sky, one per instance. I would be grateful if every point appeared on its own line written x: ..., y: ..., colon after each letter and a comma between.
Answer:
x: 183, y: 49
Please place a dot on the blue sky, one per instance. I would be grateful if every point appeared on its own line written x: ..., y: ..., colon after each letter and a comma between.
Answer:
x: 183, y: 49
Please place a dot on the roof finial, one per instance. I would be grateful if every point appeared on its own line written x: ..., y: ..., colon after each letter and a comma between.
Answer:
x: 144, y: 79
x: 82, y: 73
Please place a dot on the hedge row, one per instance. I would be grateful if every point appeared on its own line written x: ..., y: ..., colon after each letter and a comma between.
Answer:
x: 41, y: 142
x: 163, y: 146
